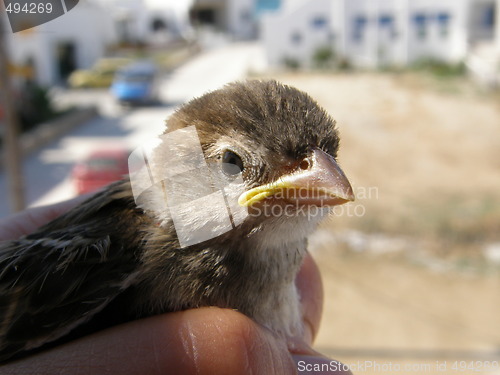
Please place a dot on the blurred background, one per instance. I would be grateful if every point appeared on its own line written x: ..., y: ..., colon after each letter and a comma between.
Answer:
x: 411, y: 269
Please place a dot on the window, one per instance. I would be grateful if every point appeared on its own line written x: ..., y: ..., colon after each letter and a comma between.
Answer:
x: 386, y: 22
x: 443, y: 19
x: 296, y: 38
x: 489, y: 17
x: 319, y: 22
x: 420, y: 21
x: 205, y: 16
x: 245, y: 16
x: 158, y: 25
x: 359, y: 25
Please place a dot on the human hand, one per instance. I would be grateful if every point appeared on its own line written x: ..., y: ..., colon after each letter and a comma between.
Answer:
x: 206, y: 340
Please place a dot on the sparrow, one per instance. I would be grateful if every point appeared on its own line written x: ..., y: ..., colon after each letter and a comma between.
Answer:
x: 137, y: 249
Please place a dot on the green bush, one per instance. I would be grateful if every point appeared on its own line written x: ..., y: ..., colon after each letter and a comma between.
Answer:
x: 34, y: 106
x: 323, y: 57
x: 344, y: 64
x: 439, y: 68
x: 291, y: 63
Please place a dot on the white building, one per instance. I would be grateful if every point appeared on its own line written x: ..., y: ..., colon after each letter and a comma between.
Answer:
x: 297, y: 30
x: 77, y: 39
x: 149, y: 21
x: 238, y: 18
x: 72, y: 41
x: 375, y: 32
x: 398, y: 32
x: 483, y: 60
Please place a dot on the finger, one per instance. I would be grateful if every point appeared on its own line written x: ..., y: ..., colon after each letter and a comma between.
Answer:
x: 310, y: 287
x: 199, y: 341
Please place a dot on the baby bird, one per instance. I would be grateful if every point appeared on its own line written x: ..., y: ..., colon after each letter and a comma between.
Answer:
x: 261, y: 152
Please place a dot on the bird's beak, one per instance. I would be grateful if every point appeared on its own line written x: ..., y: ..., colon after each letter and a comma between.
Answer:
x: 318, y: 182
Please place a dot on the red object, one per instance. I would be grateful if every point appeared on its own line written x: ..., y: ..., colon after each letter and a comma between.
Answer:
x: 99, y: 169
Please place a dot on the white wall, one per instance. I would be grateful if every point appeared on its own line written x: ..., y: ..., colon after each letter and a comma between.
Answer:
x: 451, y: 47
x: 497, y: 28
x: 400, y: 42
x: 389, y: 34
x: 294, y: 32
x: 86, y: 26
x: 139, y: 15
x: 240, y: 15
x: 370, y: 43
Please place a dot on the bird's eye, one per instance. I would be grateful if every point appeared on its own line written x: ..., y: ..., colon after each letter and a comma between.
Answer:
x: 231, y: 163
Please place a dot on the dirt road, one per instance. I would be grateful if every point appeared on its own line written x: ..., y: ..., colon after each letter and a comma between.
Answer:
x: 424, y: 159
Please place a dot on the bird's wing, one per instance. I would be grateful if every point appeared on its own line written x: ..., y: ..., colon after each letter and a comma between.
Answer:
x: 50, y: 286
x: 52, y: 283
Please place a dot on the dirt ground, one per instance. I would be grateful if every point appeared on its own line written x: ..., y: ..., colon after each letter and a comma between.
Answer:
x: 408, y: 288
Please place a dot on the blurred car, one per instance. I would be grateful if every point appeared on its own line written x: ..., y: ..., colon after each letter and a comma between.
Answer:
x: 136, y: 84
x: 101, y: 75
x: 99, y: 169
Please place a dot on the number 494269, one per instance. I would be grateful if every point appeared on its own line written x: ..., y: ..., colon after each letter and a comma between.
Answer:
x: 29, y: 8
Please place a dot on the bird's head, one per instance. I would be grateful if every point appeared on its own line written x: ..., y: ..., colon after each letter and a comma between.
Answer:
x: 275, y: 145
